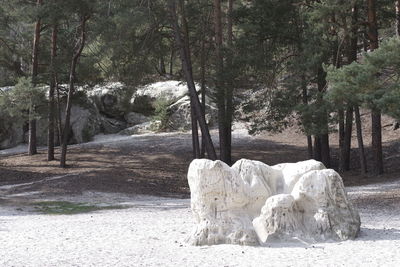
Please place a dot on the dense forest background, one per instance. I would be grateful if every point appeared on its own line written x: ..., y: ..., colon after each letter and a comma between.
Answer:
x: 312, y: 63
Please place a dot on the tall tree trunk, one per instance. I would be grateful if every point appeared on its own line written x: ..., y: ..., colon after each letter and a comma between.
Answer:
x: 341, y: 139
x: 35, y: 68
x: 185, y: 37
x: 71, y: 90
x: 163, y: 70
x: 377, y: 140
x: 58, y: 117
x: 221, y: 92
x: 317, y: 148
x: 195, y: 133
x: 361, y: 151
x: 324, y: 138
x: 305, y: 102
x: 203, y: 80
x: 53, y: 79
x: 352, y: 50
x: 190, y: 82
x: 347, y: 138
x: 375, y: 113
x: 230, y: 85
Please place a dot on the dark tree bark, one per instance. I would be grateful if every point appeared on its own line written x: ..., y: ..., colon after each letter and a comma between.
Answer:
x: 185, y: 37
x: 230, y: 86
x: 305, y: 102
x: 190, y: 82
x: 35, y: 68
x: 77, y: 53
x: 53, y: 79
x: 341, y: 139
x: 203, y: 79
x: 375, y: 113
x: 352, y: 50
x: 163, y: 70
x: 317, y: 148
x: 361, y: 151
x: 220, y: 84
x: 347, y: 138
x: 324, y: 137
x: 58, y: 117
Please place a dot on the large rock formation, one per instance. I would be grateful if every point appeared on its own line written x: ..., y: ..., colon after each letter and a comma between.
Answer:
x: 251, y: 203
x: 112, y: 108
x: 180, y: 114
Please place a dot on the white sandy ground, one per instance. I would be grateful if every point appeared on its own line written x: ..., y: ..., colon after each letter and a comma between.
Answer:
x: 152, y: 233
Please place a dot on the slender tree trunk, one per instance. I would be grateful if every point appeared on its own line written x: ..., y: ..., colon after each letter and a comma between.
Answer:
x: 341, y: 139
x: 305, y: 102
x: 347, y: 138
x: 377, y: 140
x: 71, y: 90
x: 185, y: 37
x: 32, y: 135
x: 50, y: 137
x: 352, y: 50
x: 59, y: 121
x: 189, y: 79
x: 324, y: 138
x: 203, y: 81
x: 317, y: 148
x: 230, y: 86
x: 35, y: 67
x: 195, y: 134
x: 375, y: 113
x: 363, y: 160
x: 325, y: 150
x: 221, y: 91
x: 163, y: 70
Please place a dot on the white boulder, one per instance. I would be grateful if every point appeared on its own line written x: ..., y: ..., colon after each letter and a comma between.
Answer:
x: 171, y: 91
x: 251, y: 203
x: 219, y: 198
x: 143, y: 128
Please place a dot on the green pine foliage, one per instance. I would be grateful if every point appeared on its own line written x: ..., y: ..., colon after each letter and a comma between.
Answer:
x: 374, y: 82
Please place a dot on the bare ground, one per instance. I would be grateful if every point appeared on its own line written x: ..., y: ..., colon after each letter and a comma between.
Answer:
x: 156, y: 164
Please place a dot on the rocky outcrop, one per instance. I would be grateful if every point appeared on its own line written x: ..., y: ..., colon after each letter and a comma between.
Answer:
x: 113, y: 108
x: 170, y: 91
x: 143, y: 128
x: 111, y: 99
x: 180, y: 114
x: 252, y: 203
x: 85, y: 123
x: 11, y: 134
x: 134, y: 118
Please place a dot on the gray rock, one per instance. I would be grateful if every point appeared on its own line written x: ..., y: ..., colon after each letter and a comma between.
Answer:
x: 111, y: 99
x: 180, y: 118
x: 143, y: 128
x: 11, y: 134
x: 133, y: 118
x: 85, y: 123
x: 111, y: 126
